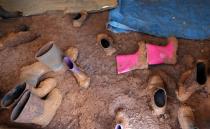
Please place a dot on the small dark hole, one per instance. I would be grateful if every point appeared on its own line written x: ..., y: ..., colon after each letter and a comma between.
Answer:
x: 159, y: 98
x: 118, y: 126
x: 105, y: 43
x: 77, y: 16
x: 19, y: 107
x: 14, y: 94
x: 201, y: 73
x: 44, y: 49
x: 68, y: 62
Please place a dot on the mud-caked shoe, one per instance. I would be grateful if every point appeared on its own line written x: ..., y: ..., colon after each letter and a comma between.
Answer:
x: 129, y: 62
x: 52, y: 56
x: 44, y: 87
x: 31, y: 74
x: 186, y: 117
x: 193, y: 80
x: 157, y: 94
x: 79, y: 19
x: 106, y: 43
x: 72, y: 52
x: 34, y: 110
x: 82, y: 78
x: 12, y: 97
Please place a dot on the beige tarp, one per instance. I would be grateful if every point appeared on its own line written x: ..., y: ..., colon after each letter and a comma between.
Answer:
x: 33, y: 7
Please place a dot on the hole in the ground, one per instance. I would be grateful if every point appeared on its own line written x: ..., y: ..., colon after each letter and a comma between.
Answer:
x: 160, y: 97
x: 77, y: 16
x: 201, y: 73
x: 19, y: 107
x: 105, y: 43
x: 118, y: 126
x: 68, y: 62
x: 44, y: 49
x: 14, y: 94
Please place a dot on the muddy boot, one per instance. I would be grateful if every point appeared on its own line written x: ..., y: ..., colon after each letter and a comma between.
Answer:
x: 106, y: 43
x: 186, y: 117
x: 192, y: 81
x: 72, y: 52
x: 79, y: 19
x: 12, y: 97
x: 32, y: 109
x: 32, y: 73
x: 81, y: 77
x: 137, y: 60
x: 158, y: 95
x: 45, y: 87
x: 52, y: 56
x: 162, y: 54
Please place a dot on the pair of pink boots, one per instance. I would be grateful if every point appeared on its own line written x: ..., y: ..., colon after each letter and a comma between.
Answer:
x: 148, y: 54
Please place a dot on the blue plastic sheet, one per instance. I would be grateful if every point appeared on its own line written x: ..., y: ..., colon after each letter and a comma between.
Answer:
x: 181, y: 18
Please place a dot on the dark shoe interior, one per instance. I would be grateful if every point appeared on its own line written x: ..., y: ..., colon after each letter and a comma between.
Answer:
x: 159, y: 98
x: 12, y: 95
x: 68, y: 62
x: 201, y: 73
x: 118, y: 126
x: 105, y: 43
x: 77, y: 16
x: 19, y: 107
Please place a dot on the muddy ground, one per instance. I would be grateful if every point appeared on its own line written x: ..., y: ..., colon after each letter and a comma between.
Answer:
x: 94, y: 108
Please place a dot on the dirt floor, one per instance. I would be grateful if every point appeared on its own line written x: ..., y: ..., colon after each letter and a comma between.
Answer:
x: 94, y: 108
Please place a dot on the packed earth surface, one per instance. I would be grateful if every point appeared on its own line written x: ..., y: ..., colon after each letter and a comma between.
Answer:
x: 95, y: 107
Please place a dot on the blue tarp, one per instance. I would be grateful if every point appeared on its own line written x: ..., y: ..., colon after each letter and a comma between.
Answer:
x: 181, y: 18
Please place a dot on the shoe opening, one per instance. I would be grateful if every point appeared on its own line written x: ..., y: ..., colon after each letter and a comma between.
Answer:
x: 44, y: 49
x: 201, y: 77
x: 77, y: 16
x: 118, y: 126
x: 160, y: 97
x: 68, y: 62
x: 20, y: 106
x: 12, y: 95
x: 105, y: 43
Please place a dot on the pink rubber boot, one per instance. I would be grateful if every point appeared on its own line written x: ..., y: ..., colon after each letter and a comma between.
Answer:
x: 162, y: 54
x: 133, y: 61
